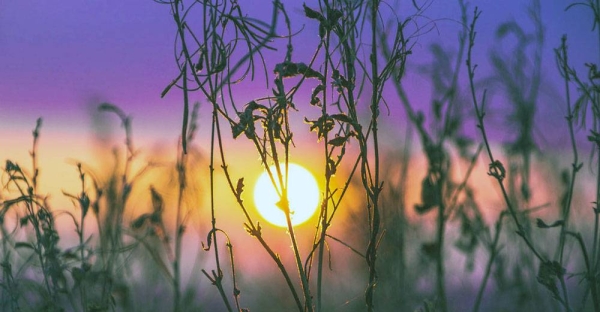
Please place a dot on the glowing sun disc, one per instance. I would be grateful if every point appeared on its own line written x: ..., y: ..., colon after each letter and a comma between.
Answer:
x: 303, y: 195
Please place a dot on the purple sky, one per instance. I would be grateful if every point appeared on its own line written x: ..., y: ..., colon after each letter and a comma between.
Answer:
x: 59, y: 59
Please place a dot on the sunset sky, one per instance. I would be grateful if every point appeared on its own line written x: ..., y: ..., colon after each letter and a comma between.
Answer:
x: 59, y: 60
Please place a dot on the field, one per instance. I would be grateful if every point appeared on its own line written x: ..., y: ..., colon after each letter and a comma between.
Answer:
x: 452, y: 164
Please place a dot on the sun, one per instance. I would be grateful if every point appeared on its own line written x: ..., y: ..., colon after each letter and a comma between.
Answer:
x: 303, y: 195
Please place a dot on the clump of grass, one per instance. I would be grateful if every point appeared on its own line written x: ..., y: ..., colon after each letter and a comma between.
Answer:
x: 38, y: 217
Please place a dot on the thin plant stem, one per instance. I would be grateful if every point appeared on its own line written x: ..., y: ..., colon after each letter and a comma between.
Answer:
x: 181, y: 179
x: 251, y: 228
x: 325, y: 204
x: 375, y: 187
x: 488, y: 267
x: 588, y: 266
x: 496, y: 168
x: 324, y: 211
x: 562, y: 57
x: 284, y: 204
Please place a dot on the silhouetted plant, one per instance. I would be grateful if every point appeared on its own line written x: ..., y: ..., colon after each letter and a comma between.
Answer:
x: 341, y: 90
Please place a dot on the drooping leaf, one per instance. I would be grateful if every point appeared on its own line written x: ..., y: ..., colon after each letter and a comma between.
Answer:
x: 341, y: 118
x: 11, y: 166
x: 542, y: 225
x: 84, y: 203
x: 291, y: 69
x: 314, y: 98
x: 430, y: 194
x: 322, y: 125
x: 333, y: 15
x: 246, y: 120
x: 322, y: 30
x: 340, y: 82
x: 157, y: 200
x: 312, y: 14
x: 240, y: 187
x: 24, y: 245
x: 331, y: 167
x: 339, y: 140
x: 140, y: 221
x: 594, y: 137
x: 548, y: 274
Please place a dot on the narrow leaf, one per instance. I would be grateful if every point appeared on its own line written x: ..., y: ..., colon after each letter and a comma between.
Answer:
x: 542, y: 225
x: 310, y: 13
x: 24, y: 245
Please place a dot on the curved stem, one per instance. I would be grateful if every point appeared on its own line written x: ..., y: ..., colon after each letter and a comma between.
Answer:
x: 496, y: 168
x: 488, y: 268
